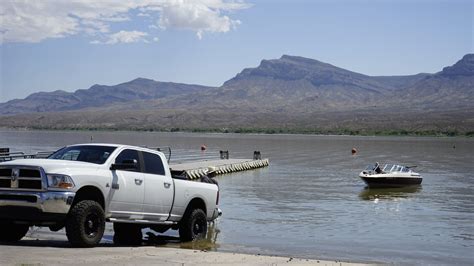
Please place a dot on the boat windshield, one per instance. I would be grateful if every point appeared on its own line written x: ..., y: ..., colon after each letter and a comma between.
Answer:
x: 388, y: 168
x: 395, y: 168
x: 84, y: 153
x: 370, y: 167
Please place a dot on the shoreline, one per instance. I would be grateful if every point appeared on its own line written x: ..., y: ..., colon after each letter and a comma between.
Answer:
x: 272, y: 132
x: 46, y: 252
x: 42, y: 247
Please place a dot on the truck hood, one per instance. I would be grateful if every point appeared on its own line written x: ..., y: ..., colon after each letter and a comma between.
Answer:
x: 53, y: 166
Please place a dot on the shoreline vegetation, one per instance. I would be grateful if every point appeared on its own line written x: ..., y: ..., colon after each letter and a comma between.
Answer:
x: 270, y: 131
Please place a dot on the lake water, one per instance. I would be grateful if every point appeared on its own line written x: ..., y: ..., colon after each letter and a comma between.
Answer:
x: 310, y: 202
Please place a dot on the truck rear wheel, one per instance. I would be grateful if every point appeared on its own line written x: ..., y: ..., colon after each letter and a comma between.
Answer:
x: 85, y: 224
x: 10, y: 232
x: 193, y: 226
x: 127, y: 234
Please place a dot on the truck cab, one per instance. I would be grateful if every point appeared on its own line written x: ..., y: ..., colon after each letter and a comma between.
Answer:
x: 81, y: 187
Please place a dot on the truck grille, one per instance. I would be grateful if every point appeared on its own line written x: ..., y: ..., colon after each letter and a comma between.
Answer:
x: 21, y: 178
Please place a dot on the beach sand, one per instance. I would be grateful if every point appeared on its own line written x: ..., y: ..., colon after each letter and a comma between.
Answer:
x: 43, y: 254
x: 43, y: 247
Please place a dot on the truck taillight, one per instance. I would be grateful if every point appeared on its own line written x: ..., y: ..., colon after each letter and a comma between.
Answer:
x: 217, y: 200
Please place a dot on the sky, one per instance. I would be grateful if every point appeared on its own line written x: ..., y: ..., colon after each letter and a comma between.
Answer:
x: 69, y: 45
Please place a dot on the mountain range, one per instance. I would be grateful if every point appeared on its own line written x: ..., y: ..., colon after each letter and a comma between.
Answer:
x: 97, y: 95
x: 291, y: 92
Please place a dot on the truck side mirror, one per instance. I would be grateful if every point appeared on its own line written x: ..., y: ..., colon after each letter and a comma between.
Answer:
x: 127, y: 164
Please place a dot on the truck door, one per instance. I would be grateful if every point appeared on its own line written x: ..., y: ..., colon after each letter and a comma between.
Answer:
x: 128, y: 193
x: 159, y: 188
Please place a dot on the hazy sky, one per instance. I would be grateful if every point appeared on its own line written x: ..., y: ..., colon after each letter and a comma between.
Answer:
x: 68, y: 45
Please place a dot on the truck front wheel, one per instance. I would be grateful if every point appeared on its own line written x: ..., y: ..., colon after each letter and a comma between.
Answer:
x: 10, y: 232
x: 193, y: 226
x: 85, y: 224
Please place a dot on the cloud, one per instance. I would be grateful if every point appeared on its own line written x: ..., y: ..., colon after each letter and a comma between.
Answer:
x: 34, y: 21
x: 124, y: 37
x: 196, y: 16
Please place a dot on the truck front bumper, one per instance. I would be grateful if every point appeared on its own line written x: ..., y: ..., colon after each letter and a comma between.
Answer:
x: 217, y: 213
x: 35, y: 207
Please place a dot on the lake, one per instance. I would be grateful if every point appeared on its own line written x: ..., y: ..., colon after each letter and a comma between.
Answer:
x: 310, y: 202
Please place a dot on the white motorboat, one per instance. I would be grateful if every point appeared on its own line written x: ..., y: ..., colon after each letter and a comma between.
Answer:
x: 391, y: 175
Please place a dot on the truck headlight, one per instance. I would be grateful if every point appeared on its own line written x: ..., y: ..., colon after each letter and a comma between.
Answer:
x: 60, y: 181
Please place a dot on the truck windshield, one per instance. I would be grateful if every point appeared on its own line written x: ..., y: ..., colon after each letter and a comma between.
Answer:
x: 85, y: 153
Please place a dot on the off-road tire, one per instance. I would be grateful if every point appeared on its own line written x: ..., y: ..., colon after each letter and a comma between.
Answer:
x: 193, y: 225
x: 85, y: 224
x: 127, y: 234
x: 10, y: 232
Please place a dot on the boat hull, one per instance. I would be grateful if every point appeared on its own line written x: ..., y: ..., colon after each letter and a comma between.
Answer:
x: 375, y: 182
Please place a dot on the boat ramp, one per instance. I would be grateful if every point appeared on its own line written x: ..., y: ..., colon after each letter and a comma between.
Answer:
x: 196, y: 169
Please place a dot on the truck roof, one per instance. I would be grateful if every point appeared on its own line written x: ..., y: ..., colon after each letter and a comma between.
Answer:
x: 112, y: 145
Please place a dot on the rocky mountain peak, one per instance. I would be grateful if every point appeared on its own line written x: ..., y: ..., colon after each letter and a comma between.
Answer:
x: 300, y: 60
x: 464, y: 67
x: 290, y: 68
x: 141, y: 81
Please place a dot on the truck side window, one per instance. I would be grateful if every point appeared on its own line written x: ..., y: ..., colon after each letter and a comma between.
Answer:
x: 129, y: 155
x: 153, y: 164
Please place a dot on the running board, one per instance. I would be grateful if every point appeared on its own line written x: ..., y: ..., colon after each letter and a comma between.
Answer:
x: 114, y: 220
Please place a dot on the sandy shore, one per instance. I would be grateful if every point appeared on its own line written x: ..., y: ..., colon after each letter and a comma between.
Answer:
x: 25, y: 254
x: 42, y: 247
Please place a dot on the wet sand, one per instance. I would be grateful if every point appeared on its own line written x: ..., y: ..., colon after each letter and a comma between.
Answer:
x: 29, y: 253
x: 42, y: 247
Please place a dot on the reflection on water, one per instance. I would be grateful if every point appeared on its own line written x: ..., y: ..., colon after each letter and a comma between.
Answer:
x: 209, y: 243
x: 389, y: 193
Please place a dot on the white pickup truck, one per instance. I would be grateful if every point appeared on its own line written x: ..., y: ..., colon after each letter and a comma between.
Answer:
x: 81, y: 187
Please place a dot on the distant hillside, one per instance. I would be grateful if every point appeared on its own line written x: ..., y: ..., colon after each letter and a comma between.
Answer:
x: 450, y: 89
x: 398, y: 82
x: 464, y: 67
x: 98, y: 96
x: 300, y: 85
x: 291, y: 93
x: 295, y: 83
